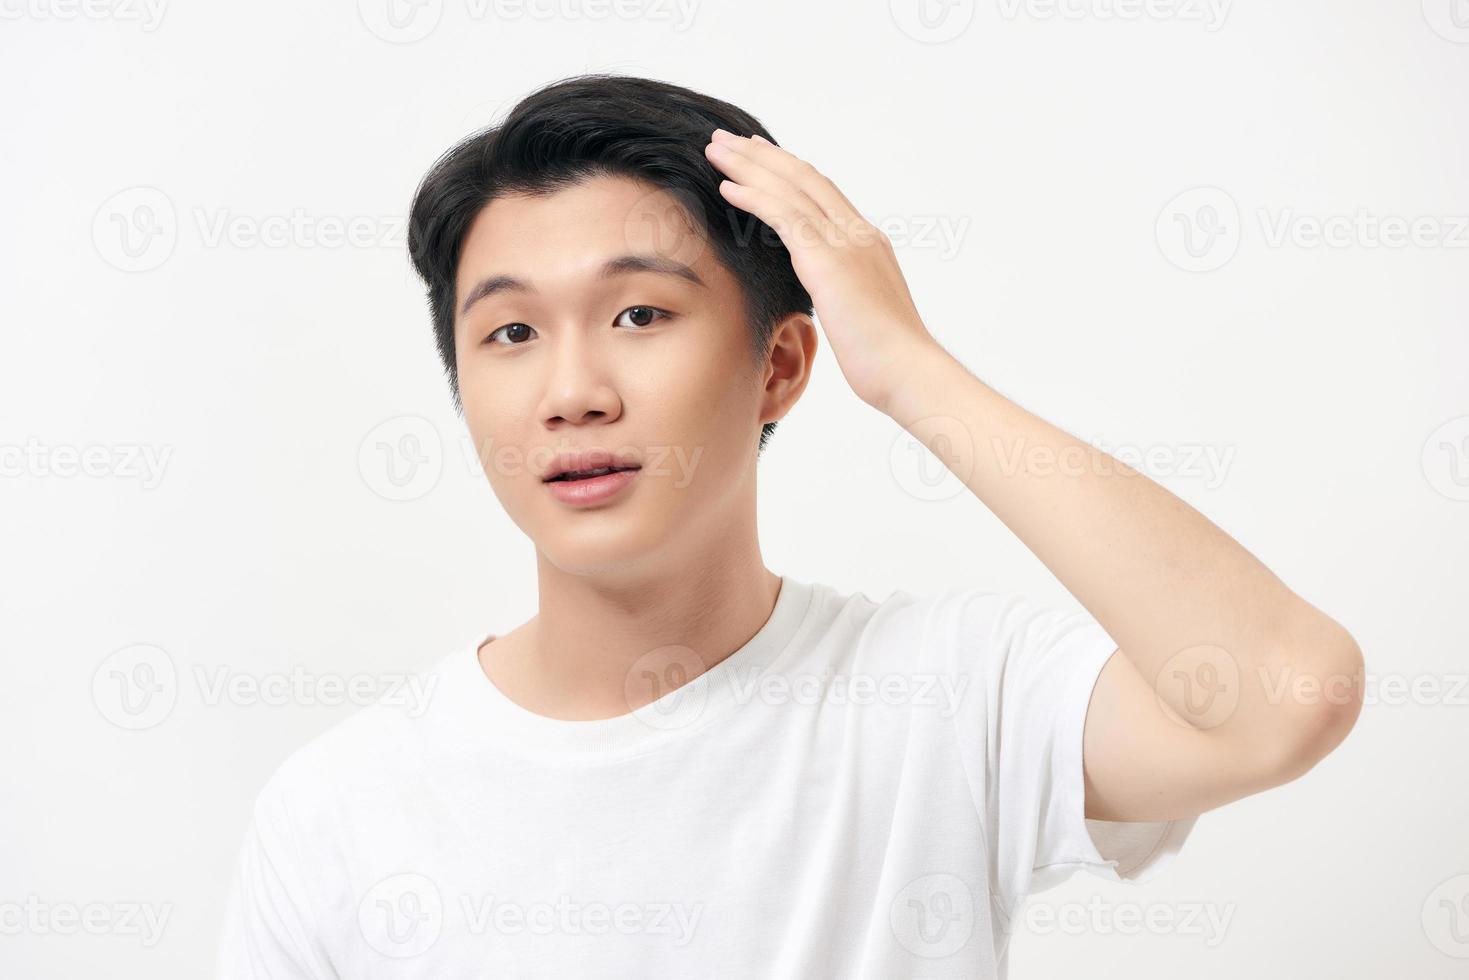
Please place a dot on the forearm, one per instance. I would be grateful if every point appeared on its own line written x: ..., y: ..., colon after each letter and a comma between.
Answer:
x: 1168, y: 585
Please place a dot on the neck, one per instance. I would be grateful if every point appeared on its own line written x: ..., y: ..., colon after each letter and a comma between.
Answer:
x: 606, y: 644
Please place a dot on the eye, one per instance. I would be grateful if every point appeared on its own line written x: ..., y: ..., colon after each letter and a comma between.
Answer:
x: 518, y: 329
x: 643, y: 316
x: 516, y: 334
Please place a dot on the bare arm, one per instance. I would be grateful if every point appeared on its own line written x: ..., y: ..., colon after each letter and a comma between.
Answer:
x: 1205, y: 702
x: 1212, y: 698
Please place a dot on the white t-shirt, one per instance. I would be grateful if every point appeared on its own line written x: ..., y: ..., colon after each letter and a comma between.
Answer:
x: 865, y: 789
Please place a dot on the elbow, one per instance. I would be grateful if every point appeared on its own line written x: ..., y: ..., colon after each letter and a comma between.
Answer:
x: 1321, y: 722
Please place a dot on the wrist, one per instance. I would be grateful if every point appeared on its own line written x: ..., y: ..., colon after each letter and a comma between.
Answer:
x: 914, y: 374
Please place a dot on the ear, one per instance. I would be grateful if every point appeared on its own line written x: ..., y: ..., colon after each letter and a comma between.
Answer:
x: 787, y: 366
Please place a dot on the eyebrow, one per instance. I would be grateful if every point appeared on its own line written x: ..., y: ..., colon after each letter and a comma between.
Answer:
x: 620, y: 266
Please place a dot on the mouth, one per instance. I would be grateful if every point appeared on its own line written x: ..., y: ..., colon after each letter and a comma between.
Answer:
x: 592, y: 487
x: 573, y: 476
x: 588, y: 464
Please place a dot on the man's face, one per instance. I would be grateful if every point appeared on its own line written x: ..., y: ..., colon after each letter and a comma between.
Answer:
x: 633, y: 361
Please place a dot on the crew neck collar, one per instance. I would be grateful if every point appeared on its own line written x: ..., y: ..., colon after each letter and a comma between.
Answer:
x: 676, y: 714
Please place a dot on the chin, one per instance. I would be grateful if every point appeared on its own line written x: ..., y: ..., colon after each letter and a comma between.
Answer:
x: 592, y: 542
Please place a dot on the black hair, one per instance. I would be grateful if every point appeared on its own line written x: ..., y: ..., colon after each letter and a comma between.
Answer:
x: 592, y: 125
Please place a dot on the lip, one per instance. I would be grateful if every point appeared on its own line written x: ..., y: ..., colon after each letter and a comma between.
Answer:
x: 592, y: 490
x: 587, y: 459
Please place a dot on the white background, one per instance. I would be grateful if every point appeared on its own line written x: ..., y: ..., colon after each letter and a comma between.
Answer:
x: 1328, y: 381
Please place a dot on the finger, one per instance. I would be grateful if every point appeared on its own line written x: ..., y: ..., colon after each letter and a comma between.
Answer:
x: 797, y: 226
x: 743, y: 170
x: 813, y: 182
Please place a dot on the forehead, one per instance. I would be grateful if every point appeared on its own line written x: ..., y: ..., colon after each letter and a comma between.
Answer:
x: 566, y: 235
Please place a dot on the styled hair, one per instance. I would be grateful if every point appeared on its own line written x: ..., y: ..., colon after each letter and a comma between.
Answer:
x: 594, y: 125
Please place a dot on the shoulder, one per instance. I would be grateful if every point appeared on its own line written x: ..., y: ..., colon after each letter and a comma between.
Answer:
x: 373, y: 750
x: 989, y: 640
x: 906, y: 629
x: 978, y: 626
x: 908, y: 616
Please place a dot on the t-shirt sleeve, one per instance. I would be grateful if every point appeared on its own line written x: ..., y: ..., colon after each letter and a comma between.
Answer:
x: 267, y: 930
x: 1032, y: 670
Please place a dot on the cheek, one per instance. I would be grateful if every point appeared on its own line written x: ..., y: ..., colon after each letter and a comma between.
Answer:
x: 500, y: 450
x: 699, y: 392
x: 706, y: 408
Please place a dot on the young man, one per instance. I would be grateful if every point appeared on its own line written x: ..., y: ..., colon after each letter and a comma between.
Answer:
x: 686, y: 764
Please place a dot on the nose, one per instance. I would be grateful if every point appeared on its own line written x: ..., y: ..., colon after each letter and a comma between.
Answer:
x: 578, y: 387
